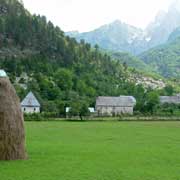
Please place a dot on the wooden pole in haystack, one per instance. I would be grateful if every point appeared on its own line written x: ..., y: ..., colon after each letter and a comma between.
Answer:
x: 12, y: 134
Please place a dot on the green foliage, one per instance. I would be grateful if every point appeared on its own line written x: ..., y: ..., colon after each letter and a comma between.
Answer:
x: 79, y: 108
x: 84, y: 110
x: 169, y: 90
x: 57, y: 66
x: 63, y: 79
x: 75, y: 109
x: 34, y: 117
x: 152, y: 101
x: 20, y: 91
x: 131, y: 61
x: 164, y: 59
x: 60, y: 70
x: 45, y: 116
x: 169, y: 110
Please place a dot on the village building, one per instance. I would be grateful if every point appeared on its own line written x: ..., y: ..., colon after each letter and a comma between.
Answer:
x: 30, y: 104
x: 113, y: 106
x: 91, y: 110
x: 170, y: 99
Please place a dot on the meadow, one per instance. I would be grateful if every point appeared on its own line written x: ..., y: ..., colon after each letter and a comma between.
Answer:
x: 98, y: 151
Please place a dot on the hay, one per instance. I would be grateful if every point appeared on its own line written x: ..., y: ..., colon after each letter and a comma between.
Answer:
x: 12, y: 134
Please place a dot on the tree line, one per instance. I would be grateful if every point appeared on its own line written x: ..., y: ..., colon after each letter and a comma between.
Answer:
x: 60, y: 71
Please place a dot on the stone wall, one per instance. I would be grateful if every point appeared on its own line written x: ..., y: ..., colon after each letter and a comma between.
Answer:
x: 110, y: 111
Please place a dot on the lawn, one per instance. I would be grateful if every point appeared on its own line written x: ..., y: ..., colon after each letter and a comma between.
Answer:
x: 98, y: 151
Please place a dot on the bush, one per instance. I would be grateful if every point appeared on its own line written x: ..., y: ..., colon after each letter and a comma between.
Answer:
x: 35, y: 117
x: 79, y: 108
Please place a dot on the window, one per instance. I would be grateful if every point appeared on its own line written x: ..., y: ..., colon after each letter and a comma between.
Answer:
x: 24, y: 109
x: 34, y: 109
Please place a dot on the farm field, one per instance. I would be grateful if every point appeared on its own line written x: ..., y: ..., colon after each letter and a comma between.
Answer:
x: 98, y: 151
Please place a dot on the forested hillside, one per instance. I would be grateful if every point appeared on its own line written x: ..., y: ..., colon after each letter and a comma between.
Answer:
x: 39, y: 57
x: 165, y: 59
x: 131, y: 61
x: 60, y: 71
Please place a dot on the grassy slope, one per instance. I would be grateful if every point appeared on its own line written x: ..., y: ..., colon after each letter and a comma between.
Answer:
x: 133, y: 62
x: 98, y: 151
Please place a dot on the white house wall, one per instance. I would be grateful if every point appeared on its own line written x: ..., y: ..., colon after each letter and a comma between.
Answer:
x: 30, y: 110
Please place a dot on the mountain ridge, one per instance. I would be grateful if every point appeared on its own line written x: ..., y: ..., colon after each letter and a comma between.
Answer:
x: 164, y: 59
x: 38, y: 57
x: 119, y: 36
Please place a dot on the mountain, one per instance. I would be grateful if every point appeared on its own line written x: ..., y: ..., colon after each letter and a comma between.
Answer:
x: 165, y: 59
x: 165, y: 23
x: 116, y: 36
x: 38, y: 57
x: 174, y: 35
x: 119, y: 36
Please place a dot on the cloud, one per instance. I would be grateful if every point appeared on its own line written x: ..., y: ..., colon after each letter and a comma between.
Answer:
x: 85, y: 15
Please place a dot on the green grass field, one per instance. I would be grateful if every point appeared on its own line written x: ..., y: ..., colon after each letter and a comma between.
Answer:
x: 98, y: 151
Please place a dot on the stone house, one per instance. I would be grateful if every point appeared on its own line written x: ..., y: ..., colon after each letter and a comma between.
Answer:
x: 30, y: 104
x: 170, y: 99
x: 113, y: 106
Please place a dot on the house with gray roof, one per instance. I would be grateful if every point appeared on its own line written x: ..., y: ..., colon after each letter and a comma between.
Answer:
x: 113, y: 106
x: 30, y: 104
x: 170, y: 99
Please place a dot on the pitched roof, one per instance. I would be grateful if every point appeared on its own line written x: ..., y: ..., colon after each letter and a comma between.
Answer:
x: 30, y: 101
x: 121, y: 101
x: 2, y: 73
x: 170, y: 99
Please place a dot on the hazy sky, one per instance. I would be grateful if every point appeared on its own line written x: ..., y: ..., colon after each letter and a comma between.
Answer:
x: 86, y: 15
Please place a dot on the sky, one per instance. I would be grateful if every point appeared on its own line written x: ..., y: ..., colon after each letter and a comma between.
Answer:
x: 86, y: 15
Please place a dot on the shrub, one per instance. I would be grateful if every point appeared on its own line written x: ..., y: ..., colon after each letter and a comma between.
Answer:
x: 34, y: 117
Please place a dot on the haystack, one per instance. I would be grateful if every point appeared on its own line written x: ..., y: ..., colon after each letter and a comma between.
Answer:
x: 12, y: 134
